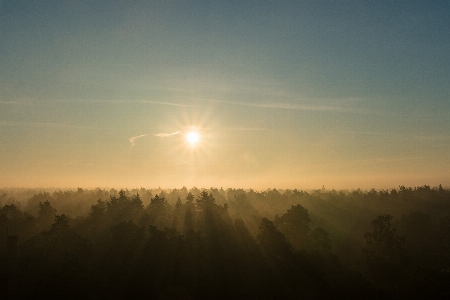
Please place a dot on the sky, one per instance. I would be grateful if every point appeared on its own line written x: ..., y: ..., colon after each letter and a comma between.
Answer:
x: 283, y: 94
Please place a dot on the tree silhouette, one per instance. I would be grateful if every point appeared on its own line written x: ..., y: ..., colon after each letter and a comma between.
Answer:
x: 46, y: 215
x: 205, y: 200
x: 46, y: 210
x: 98, y: 210
x: 123, y: 208
x: 320, y: 242
x: 158, y: 213
x: 295, y: 226
x: 33, y: 204
x: 273, y: 241
x: 384, y: 253
x: 61, y: 224
x: 197, y: 249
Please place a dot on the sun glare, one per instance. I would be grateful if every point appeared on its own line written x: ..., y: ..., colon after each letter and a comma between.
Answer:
x: 192, y: 138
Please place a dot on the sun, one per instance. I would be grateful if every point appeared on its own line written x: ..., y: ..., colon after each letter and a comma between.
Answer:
x: 192, y: 138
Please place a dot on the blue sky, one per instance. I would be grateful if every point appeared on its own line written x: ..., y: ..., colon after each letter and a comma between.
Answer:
x: 283, y: 93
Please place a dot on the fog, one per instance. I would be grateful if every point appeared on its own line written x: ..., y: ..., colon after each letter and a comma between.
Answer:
x: 225, y: 243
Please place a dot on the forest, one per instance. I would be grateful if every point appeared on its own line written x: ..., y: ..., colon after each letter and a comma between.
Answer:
x: 225, y: 244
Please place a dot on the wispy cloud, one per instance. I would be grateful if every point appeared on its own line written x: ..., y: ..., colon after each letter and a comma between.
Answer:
x: 161, y: 103
x: 407, y: 136
x: 433, y: 137
x: 247, y: 129
x: 12, y: 102
x: 241, y: 86
x: 290, y: 106
x: 371, y: 133
x: 134, y: 138
x: 164, y: 135
x: 160, y: 135
x: 45, y: 125
x: 125, y: 101
x: 33, y: 124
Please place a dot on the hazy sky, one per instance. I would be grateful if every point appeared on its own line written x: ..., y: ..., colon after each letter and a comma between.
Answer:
x: 284, y: 94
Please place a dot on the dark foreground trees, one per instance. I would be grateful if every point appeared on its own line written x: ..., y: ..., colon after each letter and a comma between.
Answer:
x: 384, y: 254
x: 395, y: 270
x: 196, y: 248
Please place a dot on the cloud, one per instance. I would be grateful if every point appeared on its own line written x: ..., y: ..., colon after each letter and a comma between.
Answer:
x: 164, y: 135
x: 160, y: 102
x: 290, y: 106
x: 296, y: 106
x: 45, y: 125
x: 160, y: 135
x: 407, y: 136
x: 9, y: 102
x: 124, y: 101
x: 33, y: 124
x: 247, y: 129
x: 134, y: 138
x: 236, y: 86
x: 432, y: 137
x: 372, y: 133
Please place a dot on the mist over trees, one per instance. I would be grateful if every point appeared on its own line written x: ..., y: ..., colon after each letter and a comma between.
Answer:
x: 223, y: 244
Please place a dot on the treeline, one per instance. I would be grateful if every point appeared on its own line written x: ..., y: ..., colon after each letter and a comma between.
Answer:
x: 215, y: 243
